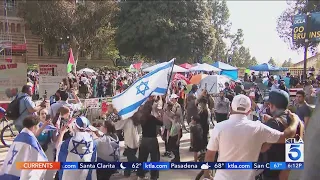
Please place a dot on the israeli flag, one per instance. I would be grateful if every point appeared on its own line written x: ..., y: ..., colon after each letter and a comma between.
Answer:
x: 48, y: 127
x: 79, y: 148
x: 153, y: 83
x: 25, y: 148
x: 108, y: 149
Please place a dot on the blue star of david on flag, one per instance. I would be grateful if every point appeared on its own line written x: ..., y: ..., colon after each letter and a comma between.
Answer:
x: 144, y: 86
x: 82, y: 145
x: 14, y: 153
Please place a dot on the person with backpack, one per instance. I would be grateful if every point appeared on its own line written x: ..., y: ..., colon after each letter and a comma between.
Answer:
x: 239, y: 139
x: 23, y: 106
x: 280, y: 120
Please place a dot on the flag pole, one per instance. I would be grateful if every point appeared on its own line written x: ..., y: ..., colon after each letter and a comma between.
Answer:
x: 174, y: 59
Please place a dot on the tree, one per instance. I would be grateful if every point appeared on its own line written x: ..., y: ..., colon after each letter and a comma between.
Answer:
x: 241, y: 58
x: 285, y: 64
x: 253, y: 61
x: 289, y: 63
x: 110, y: 52
x: 207, y: 59
x: 161, y: 31
x: 221, y: 23
x: 236, y: 42
x: 285, y: 21
x: 272, y: 61
x: 83, y: 27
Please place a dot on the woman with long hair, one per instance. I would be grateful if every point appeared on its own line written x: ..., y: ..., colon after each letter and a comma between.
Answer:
x: 130, y: 129
x: 112, y: 115
x: 107, y: 148
x: 203, y: 113
x: 149, y: 142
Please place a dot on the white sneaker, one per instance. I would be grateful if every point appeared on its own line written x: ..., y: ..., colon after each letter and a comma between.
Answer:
x: 144, y: 178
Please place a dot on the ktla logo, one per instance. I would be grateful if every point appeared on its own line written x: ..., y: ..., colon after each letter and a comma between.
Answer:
x: 294, y: 150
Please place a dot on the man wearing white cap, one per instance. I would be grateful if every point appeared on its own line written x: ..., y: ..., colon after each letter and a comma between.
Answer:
x: 176, y: 108
x: 239, y: 139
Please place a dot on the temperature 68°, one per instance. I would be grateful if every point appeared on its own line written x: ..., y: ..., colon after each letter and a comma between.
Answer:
x: 218, y: 165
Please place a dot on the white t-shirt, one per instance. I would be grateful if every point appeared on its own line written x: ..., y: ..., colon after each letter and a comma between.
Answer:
x: 56, y: 106
x: 239, y: 140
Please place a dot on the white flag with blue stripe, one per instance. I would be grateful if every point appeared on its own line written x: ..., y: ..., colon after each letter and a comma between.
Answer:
x: 25, y: 148
x: 48, y: 127
x: 79, y: 148
x: 108, y: 149
x: 153, y: 83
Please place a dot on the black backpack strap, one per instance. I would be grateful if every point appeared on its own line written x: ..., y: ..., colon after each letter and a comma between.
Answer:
x: 24, y: 104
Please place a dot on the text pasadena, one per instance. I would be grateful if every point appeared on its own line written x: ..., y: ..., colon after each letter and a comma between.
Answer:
x: 183, y: 166
x: 97, y: 166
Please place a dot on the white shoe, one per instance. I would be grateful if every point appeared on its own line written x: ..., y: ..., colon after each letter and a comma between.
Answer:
x: 144, y: 178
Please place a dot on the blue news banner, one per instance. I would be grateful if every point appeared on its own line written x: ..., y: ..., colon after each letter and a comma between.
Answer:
x: 182, y: 165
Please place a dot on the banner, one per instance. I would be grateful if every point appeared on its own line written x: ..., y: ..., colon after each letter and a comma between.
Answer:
x: 92, y: 103
x: 50, y: 77
x: 213, y: 84
x: 49, y: 85
x: 12, y: 75
x: 53, y: 70
x: 302, y: 23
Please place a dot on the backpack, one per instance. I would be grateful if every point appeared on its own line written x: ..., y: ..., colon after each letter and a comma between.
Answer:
x: 300, y: 129
x: 13, y: 111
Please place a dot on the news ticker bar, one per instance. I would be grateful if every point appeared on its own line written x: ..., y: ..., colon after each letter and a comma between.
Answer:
x: 161, y: 165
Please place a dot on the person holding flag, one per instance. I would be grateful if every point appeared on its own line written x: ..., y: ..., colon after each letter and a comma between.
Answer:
x: 46, y: 135
x: 139, y: 92
x: 25, y: 148
x: 154, y: 83
x: 79, y: 148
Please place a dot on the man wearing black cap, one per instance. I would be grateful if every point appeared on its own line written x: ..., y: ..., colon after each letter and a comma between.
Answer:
x: 278, y: 103
x: 283, y: 87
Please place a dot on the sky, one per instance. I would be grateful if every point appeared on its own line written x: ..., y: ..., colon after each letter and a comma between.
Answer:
x: 258, y: 20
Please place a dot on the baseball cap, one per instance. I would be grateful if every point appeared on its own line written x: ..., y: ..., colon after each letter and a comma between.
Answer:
x: 241, y: 104
x: 174, y: 96
x: 279, y: 98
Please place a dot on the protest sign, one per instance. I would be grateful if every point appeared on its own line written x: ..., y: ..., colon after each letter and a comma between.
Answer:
x: 12, y: 76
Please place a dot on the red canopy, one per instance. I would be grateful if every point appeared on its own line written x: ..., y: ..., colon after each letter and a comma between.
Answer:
x: 186, y: 65
x: 178, y: 76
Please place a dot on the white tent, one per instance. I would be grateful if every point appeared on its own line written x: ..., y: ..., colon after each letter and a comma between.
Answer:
x: 204, y: 67
x: 86, y: 70
x: 175, y: 68
x: 213, y: 83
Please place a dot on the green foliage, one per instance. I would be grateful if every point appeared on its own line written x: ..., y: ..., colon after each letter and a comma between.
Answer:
x: 285, y: 21
x: 241, y: 58
x: 287, y: 63
x: 110, y: 52
x: 207, y: 59
x: 85, y: 27
x: 272, y: 62
x: 220, y: 20
x: 162, y: 30
x: 239, y: 55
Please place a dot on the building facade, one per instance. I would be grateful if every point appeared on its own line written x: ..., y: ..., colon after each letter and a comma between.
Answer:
x: 19, y: 45
x: 313, y: 61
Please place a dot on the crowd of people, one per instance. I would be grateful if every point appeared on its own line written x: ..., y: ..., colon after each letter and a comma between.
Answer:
x: 242, y: 127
